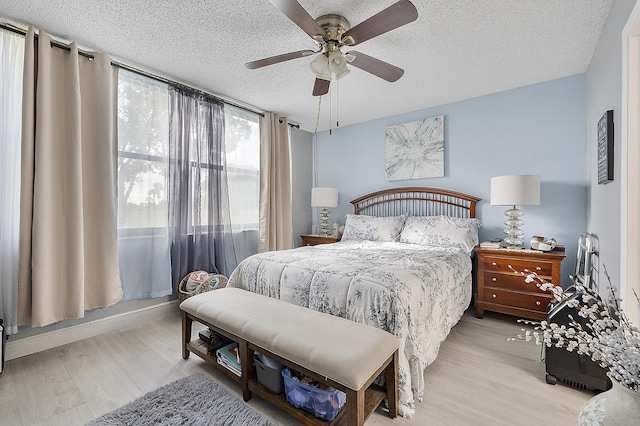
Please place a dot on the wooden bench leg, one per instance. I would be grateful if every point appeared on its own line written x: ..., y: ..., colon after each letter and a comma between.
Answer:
x: 246, y: 365
x: 391, y: 377
x: 186, y: 334
x: 355, y: 407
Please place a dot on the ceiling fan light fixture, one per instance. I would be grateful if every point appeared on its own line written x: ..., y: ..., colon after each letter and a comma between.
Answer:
x: 342, y: 73
x: 319, y: 65
x: 331, y: 32
x: 337, y: 63
x: 326, y: 75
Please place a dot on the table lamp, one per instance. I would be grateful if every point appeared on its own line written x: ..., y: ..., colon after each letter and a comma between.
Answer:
x: 515, y: 190
x: 324, y: 198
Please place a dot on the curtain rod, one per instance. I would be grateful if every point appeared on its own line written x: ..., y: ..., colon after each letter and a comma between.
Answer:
x: 138, y: 71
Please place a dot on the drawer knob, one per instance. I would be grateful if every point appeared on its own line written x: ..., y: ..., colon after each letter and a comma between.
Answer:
x: 494, y: 296
x: 538, y: 268
x: 494, y: 279
x: 538, y: 303
x: 494, y: 263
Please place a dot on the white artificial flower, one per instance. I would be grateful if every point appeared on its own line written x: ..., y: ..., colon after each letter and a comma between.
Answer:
x: 607, y: 337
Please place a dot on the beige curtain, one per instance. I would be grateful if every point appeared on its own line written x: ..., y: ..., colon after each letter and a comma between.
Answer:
x: 276, y: 228
x: 68, y: 255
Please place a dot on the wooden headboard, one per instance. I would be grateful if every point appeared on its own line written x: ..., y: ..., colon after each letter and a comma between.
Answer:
x: 416, y: 201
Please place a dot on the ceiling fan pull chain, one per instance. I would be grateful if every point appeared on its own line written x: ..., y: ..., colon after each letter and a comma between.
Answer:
x: 330, y: 109
x: 337, y: 105
x: 317, y: 116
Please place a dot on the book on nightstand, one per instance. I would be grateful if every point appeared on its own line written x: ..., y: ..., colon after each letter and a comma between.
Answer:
x: 492, y: 244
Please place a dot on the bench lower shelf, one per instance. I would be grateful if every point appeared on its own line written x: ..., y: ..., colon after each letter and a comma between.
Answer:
x: 374, y: 395
x: 199, y: 348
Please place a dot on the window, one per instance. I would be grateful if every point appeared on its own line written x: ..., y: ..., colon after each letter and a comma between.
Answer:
x: 143, y: 143
x: 242, y: 143
x: 144, y: 114
x: 143, y: 167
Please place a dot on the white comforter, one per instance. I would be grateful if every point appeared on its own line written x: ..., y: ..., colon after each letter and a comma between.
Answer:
x: 417, y: 293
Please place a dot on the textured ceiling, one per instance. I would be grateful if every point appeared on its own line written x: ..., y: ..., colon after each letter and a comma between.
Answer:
x: 457, y: 49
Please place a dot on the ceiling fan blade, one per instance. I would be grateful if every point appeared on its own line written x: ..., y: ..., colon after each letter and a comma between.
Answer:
x: 299, y: 16
x: 321, y: 87
x: 278, y: 58
x: 396, y: 15
x: 379, y: 68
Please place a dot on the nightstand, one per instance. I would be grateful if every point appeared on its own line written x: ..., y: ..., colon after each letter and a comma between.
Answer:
x: 502, y: 290
x: 314, y: 240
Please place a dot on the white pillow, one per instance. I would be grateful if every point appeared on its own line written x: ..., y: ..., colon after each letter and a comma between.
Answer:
x: 441, y: 231
x: 372, y: 228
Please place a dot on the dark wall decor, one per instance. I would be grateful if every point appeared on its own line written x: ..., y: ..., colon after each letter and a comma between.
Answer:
x: 605, y: 148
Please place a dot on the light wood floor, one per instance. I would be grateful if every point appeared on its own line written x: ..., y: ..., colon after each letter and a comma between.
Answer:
x: 478, y: 379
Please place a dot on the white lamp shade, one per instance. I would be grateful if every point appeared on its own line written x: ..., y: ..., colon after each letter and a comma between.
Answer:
x: 515, y: 190
x: 324, y: 197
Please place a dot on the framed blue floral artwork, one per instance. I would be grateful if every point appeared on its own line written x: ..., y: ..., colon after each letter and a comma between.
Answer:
x: 415, y: 150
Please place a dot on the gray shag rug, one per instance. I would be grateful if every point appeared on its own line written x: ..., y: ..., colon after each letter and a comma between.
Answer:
x: 192, y: 400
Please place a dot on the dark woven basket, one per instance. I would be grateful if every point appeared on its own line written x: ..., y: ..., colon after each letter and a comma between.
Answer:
x: 213, y: 282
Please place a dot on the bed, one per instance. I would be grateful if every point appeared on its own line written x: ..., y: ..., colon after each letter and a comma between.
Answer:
x: 403, y: 265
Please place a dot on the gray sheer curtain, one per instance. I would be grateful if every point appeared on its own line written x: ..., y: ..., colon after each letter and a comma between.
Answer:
x: 199, y: 219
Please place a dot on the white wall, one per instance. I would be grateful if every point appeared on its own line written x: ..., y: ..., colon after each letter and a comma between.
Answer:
x: 604, y: 92
x: 538, y: 129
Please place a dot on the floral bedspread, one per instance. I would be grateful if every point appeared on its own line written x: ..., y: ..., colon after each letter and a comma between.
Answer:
x: 417, y: 293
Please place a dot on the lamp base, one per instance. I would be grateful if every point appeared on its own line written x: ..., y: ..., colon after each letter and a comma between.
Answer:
x: 514, y: 233
x: 324, y: 222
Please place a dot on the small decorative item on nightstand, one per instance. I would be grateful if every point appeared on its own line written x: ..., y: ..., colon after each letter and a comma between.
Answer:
x: 314, y: 240
x: 501, y: 290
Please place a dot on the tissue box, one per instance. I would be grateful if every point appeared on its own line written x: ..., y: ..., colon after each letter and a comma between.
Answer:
x: 324, y: 404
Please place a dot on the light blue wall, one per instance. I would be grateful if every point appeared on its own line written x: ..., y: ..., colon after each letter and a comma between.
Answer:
x: 538, y: 129
x: 301, y: 182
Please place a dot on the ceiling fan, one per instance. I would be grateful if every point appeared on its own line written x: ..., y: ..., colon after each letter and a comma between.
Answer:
x: 333, y: 32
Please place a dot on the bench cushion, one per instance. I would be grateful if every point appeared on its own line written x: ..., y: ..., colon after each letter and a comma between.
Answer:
x: 341, y: 350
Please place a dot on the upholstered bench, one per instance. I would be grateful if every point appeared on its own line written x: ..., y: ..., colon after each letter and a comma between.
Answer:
x: 341, y: 353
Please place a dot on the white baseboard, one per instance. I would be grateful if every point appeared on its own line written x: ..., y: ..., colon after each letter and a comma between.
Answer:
x: 41, y: 342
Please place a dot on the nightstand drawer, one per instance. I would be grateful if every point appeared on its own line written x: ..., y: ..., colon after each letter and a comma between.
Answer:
x: 534, y: 302
x: 510, y: 281
x: 503, y: 264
